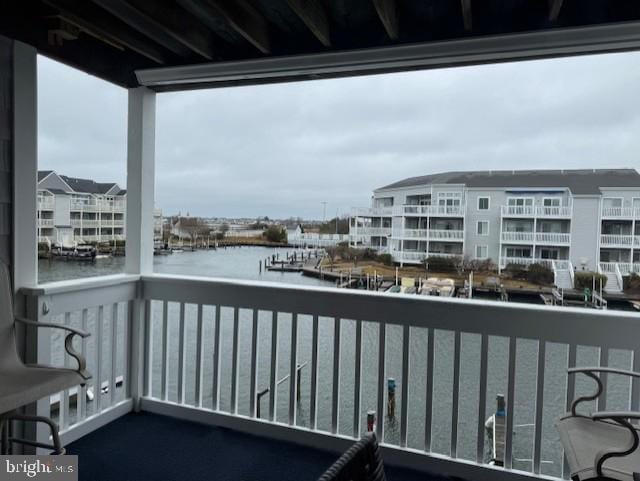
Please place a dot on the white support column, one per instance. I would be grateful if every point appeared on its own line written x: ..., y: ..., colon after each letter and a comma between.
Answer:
x: 139, y: 222
x: 25, y: 166
x: 140, y: 181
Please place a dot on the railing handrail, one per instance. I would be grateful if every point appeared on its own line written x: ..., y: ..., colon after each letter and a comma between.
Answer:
x: 430, y: 311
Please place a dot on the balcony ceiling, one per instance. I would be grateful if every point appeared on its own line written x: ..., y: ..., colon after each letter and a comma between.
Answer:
x: 112, y: 39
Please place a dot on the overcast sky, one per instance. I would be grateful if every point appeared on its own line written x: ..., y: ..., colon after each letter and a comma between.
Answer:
x: 281, y: 150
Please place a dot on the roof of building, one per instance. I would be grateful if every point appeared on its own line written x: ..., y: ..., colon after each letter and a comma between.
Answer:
x: 579, y: 182
x: 57, y: 191
x: 42, y: 174
x: 87, y: 185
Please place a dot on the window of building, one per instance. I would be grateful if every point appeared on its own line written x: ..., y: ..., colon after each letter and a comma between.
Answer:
x: 482, y: 252
x: 518, y: 252
x: 418, y: 199
x: 551, y: 202
x: 483, y: 203
x: 520, y: 201
x: 449, y: 199
x: 383, y: 202
x: 612, y: 202
x: 636, y: 202
x: 483, y: 227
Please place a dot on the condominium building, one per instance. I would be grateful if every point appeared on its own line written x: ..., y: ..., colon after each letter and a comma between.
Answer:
x: 73, y: 210
x: 567, y: 219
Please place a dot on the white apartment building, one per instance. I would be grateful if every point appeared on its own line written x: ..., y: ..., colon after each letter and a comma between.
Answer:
x: 567, y: 219
x: 73, y: 210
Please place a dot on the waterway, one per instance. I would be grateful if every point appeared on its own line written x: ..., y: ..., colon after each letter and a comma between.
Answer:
x: 242, y: 263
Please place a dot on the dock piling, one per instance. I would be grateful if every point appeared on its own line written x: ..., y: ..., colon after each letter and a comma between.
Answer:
x: 391, y: 397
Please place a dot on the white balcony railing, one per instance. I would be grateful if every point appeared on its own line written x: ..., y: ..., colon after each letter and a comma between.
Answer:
x: 430, y: 234
x: 625, y: 268
x: 532, y: 211
x: 430, y: 210
x: 446, y: 235
x: 555, y: 238
x: 554, y: 211
x: 372, y: 231
x: 551, y: 238
x: 524, y: 237
x: 518, y: 210
x: 411, y: 233
x: 45, y: 222
x: 203, y: 349
x: 373, y: 211
x: 615, y: 240
x: 46, y: 203
x: 525, y: 261
x: 620, y: 213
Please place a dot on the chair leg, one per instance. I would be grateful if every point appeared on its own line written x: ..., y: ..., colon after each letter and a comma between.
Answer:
x: 53, y: 427
x: 4, y: 436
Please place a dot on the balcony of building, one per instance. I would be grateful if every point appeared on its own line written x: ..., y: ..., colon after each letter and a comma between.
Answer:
x: 46, y: 202
x: 372, y: 211
x: 539, y: 238
x: 429, y: 210
x: 214, y: 351
x: 620, y: 213
x: 531, y: 211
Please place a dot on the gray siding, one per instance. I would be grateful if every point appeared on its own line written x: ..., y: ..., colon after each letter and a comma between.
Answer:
x: 585, y: 232
x: 6, y: 149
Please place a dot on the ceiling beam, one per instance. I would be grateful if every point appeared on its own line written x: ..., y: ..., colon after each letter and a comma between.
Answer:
x: 313, y: 15
x: 466, y: 14
x: 96, y: 22
x: 554, y: 9
x: 164, y: 23
x: 388, y: 16
x: 239, y: 14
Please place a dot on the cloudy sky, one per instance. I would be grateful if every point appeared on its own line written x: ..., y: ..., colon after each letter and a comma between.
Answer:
x: 282, y: 150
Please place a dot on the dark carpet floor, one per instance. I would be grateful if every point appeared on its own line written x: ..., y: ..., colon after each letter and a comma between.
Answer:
x: 140, y: 447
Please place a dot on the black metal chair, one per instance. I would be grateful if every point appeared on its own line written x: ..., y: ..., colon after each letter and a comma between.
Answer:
x: 22, y: 384
x: 602, y: 445
x: 361, y: 462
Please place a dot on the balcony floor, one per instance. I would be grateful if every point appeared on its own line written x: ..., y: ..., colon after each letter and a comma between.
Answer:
x: 151, y: 447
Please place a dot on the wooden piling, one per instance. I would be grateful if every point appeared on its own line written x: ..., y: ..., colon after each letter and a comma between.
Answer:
x: 371, y: 421
x: 391, y: 397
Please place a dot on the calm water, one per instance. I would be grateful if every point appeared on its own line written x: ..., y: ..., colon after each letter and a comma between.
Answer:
x: 242, y: 263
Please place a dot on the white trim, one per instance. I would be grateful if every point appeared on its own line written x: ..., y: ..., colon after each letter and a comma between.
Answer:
x: 488, y: 228
x: 140, y: 181
x: 25, y: 165
x: 545, y: 43
x: 488, y: 203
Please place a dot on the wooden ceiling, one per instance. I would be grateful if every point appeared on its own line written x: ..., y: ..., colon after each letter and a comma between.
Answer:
x: 113, y: 38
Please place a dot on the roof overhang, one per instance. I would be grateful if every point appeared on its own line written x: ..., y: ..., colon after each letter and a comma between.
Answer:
x: 480, y: 50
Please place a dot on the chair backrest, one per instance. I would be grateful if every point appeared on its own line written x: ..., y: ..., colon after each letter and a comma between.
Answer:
x: 8, y: 352
x: 361, y: 462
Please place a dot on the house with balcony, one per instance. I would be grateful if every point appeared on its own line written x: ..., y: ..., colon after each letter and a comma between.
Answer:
x: 178, y: 363
x: 567, y: 219
x: 73, y: 210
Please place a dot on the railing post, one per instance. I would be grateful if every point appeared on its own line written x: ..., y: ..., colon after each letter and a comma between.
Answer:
x: 139, y: 221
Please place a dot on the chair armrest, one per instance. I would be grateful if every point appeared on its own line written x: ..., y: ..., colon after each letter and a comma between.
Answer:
x: 615, y: 415
x: 592, y: 373
x: 621, y: 418
x: 29, y: 322
x: 611, y: 370
x: 68, y: 342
